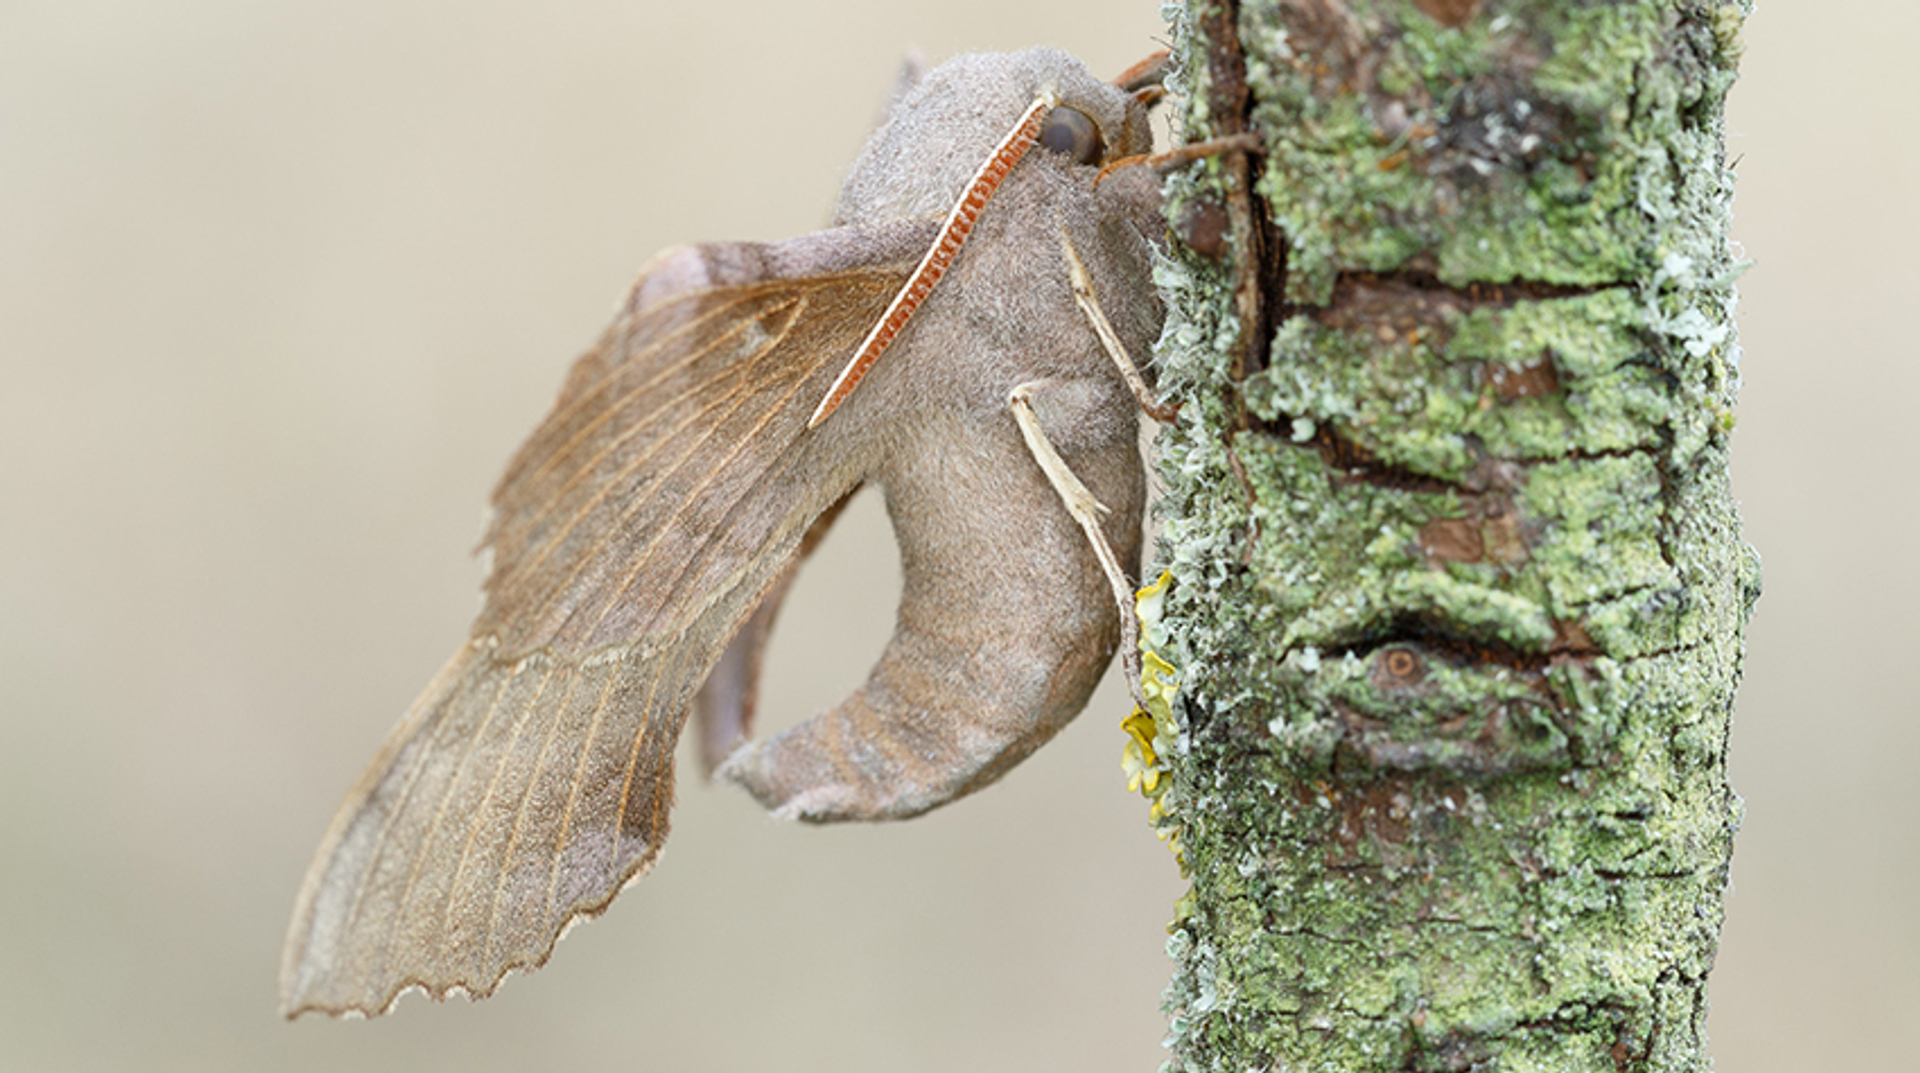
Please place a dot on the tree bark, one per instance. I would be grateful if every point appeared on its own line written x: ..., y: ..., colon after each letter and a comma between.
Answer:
x: 1458, y: 590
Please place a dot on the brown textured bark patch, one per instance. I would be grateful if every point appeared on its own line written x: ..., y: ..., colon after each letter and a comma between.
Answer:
x: 1529, y: 381
x: 1449, y: 12
x: 1453, y: 540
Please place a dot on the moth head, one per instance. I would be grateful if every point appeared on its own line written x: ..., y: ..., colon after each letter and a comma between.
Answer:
x: 941, y: 152
x: 939, y: 131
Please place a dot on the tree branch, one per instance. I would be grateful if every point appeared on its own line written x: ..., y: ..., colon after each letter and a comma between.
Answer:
x: 1458, y: 588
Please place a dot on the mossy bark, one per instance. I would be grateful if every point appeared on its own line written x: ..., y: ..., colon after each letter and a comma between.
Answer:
x: 1458, y: 588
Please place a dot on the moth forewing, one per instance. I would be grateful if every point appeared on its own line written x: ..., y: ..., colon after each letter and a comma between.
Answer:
x: 531, y: 780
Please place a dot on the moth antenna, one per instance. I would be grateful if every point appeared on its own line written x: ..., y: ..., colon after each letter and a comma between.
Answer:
x: 953, y: 235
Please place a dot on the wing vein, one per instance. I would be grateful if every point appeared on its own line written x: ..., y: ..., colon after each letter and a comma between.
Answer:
x: 573, y: 800
x: 579, y: 403
x: 387, y: 823
x: 520, y: 811
x: 633, y: 756
x: 612, y: 482
x: 646, y: 551
x: 439, y: 813
x: 478, y: 818
x: 615, y: 406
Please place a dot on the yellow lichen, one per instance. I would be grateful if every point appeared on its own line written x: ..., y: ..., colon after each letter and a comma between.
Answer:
x: 1152, y: 731
x: 1139, y: 758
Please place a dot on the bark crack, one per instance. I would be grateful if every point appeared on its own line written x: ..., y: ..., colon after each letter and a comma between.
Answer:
x: 1442, y: 637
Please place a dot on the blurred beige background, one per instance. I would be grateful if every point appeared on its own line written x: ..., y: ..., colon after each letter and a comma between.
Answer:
x: 282, y: 284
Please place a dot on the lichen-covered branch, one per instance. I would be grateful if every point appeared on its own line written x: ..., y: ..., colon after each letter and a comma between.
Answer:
x: 1458, y: 589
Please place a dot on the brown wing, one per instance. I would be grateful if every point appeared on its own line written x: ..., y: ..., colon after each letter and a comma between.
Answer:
x: 633, y: 532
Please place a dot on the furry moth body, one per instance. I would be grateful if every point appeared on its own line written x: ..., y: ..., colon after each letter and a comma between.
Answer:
x: 644, y: 534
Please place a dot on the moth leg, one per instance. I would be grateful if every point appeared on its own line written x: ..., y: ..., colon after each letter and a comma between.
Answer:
x: 1083, y: 295
x: 1145, y: 80
x: 1085, y: 509
x: 1182, y: 155
x: 725, y: 705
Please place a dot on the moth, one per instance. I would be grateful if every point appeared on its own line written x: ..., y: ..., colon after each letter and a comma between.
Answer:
x: 942, y: 340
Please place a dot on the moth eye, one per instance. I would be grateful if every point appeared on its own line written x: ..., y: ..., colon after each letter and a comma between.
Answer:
x: 1073, y: 134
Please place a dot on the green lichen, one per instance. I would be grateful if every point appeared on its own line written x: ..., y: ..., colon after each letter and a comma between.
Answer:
x: 1457, y: 588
